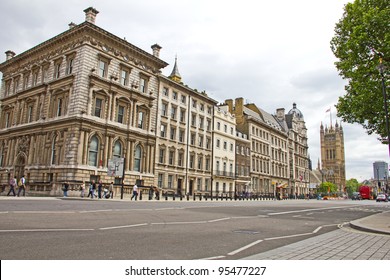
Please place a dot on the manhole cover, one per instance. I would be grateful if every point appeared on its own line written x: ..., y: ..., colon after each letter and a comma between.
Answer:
x: 246, y: 231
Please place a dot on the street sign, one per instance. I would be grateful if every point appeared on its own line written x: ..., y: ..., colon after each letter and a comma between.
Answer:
x: 115, y: 167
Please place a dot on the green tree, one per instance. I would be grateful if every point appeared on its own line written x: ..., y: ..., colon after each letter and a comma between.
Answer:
x: 362, y: 39
x: 352, y: 185
x: 327, y: 187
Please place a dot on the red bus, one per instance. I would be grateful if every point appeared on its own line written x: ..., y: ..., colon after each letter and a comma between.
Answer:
x: 365, y: 192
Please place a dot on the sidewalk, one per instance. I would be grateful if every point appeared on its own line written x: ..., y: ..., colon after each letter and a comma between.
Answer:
x: 378, y: 223
x: 369, y: 239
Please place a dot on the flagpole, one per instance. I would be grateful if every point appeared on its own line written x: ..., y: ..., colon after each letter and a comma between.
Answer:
x: 330, y: 114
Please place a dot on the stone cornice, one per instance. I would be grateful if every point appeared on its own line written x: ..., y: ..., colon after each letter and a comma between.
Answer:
x: 81, y: 34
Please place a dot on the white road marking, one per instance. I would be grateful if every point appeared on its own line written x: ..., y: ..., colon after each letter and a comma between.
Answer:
x: 218, y: 220
x: 213, y: 258
x: 125, y: 226
x: 307, y: 210
x: 245, y: 247
x: 43, y: 212
x: 47, y: 230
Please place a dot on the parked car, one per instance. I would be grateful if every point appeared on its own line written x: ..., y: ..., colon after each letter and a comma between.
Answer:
x: 356, y: 196
x: 381, y: 197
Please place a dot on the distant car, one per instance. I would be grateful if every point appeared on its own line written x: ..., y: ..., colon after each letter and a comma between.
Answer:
x: 381, y: 197
x: 356, y: 196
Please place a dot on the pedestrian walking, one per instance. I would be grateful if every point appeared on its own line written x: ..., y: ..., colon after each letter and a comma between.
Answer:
x: 65, y: 189
x: 135, y: 192
x: 100, y: 188
x: 82, y: 189
x: 92, y: 188
x: 111, y: 190
x: 12, y: 185
x: 22, y: 186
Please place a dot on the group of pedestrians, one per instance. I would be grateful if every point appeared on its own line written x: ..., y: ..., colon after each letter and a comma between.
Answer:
x: 21, y: 184
x: 102, y: 191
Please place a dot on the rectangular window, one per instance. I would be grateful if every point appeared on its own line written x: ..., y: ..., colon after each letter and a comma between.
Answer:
x: 161, y: 156
x: 16, y: 84
x: 143, y: 86
x: 59, y: 107
x: 183, y: 99
x: 35, y: 78
x: 170, y: 180
x: 141, y: 116
x: 181, y: 136
x: 180, y: 159
x: 199, y: 184
x: 193, y: 120
x: 69, y: 65
x: 192, y: 158
x: 124, y: 77
x: 57, y: 70
x: 173, y: 112
x: 103, y: 66
x: 171, y: 157
x: 7, y: 119
x: 164, y: 109
x: 160, y: 180
x: 30, y: 113
x: 121, y: 113
x: 173, y: 133
x: 45, y: 74
x: 98, y: 107
x: 182, y: 115
x: 174, y: 95
x: 163, y: 130
x: 165, y: 91
x: 25, y: 80
x: 200, y: 163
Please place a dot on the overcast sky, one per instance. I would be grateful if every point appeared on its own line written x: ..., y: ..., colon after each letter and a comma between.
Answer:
x: 271, y: 53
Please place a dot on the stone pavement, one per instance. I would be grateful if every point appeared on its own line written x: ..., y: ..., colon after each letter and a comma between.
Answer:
x: 365, y: 239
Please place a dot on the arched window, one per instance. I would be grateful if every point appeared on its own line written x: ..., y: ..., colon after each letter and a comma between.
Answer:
x: 53, y: 150
x: 117, y: 150
x: 93, y: 151
x: 137, y: 158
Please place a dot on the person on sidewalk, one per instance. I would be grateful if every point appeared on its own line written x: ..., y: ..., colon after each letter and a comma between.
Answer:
x: 65, y: 189
x: 22, y: 186
x: 135, y: 192
x: 82, y: 189
x: 111, y: 190
x: 99, y: 189
x: 12, y: 185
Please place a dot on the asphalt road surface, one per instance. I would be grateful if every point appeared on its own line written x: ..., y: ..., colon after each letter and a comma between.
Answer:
x: 74, y: 229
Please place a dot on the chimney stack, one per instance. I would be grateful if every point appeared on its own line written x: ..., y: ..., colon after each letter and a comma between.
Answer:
x: 90, y: 14
x: 156, y: 50
x: 9, y: 54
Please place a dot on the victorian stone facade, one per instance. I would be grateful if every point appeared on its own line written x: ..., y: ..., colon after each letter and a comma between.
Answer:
x: 75, y: 101
x: 183, y: 162
x: 332, y: 155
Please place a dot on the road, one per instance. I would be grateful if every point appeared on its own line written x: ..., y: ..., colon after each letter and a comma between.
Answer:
x: 74, y: 229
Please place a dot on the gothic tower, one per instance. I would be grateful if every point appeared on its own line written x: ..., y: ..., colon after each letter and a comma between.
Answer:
x: 332, y: 155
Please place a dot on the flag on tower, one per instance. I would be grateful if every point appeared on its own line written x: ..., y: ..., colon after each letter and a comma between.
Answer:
x: 327, y: 110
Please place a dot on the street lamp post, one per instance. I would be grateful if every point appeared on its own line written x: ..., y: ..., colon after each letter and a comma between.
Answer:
x: 381, y: 71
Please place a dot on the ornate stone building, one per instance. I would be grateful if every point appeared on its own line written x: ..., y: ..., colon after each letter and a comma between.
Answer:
x: 184, y: 137
x: 73, y: 102
x: 243, y: 163
x: 269, y: 151
x: 224, y: 142
x: 332, y: 155
x: 299, y: 169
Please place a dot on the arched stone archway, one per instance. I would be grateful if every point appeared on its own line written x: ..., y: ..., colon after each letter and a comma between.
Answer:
x: 20, y: 164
